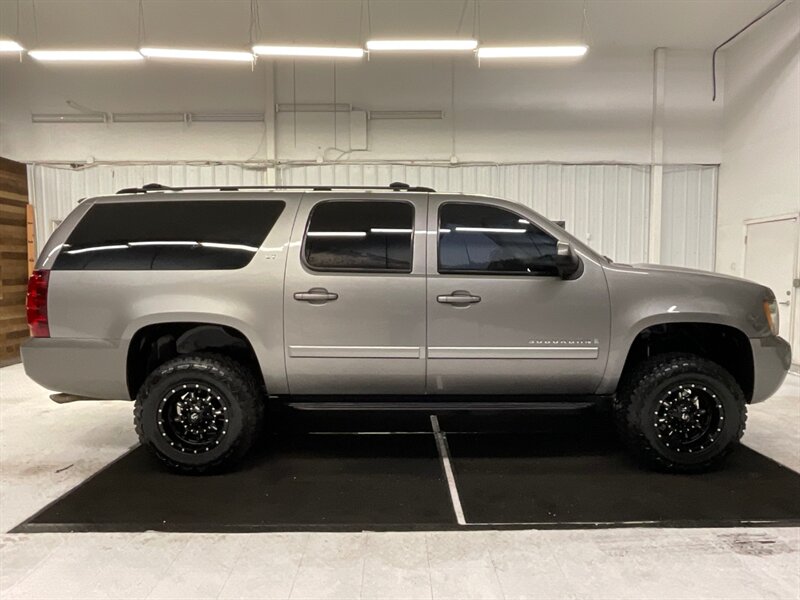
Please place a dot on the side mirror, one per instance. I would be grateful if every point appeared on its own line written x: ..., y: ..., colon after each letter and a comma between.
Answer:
x: 567, y: 262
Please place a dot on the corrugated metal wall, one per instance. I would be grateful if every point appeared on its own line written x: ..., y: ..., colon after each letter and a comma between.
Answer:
x: 54, y: 192
x: 605, y: 205
x: 689, y: 216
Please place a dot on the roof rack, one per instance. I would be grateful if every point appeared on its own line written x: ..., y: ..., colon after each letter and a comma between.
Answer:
x: 397, y: 186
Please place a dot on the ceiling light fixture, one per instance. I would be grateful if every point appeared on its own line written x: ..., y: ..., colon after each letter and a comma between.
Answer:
x: 308, y: 51
x: 86, y: 55
x: 532, y: 52
x: 421, y: 45
x: 185, y: 54
x: 10, y: 46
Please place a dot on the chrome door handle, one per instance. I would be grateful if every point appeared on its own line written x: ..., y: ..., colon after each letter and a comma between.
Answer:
x: 458, y: 297
x: 317, y: 295
x: 785, y: 303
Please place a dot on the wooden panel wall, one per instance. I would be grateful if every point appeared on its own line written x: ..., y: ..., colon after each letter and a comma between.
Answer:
x: 14, y: 266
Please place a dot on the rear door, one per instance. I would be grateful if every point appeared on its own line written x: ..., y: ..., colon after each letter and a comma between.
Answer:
x: 355, y: 295
x: 500, y: 318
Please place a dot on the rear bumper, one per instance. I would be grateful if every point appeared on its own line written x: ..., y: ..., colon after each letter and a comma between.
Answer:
x: 772, y: 357
x: 92, y: 368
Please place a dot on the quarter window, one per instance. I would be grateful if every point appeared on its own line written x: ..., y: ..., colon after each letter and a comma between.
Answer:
x: 477, y: 238
x: 360, y: 236
x: 169, y: 235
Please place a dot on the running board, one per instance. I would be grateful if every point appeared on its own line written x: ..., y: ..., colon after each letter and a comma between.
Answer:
x: 551, y: 407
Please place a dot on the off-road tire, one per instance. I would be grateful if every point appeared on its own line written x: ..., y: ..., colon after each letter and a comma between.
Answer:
x: 641, y: 392
x: 238, y: 389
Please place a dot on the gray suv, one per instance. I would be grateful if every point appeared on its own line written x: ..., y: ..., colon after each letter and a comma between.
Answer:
x: 204, y: 305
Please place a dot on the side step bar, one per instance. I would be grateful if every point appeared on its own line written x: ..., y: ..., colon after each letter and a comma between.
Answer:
x: 550, y: 407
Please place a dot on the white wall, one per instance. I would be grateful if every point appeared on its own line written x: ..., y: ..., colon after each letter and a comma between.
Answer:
x: 593, y: 110
x: 606, y: 206
x: 760, y: 170
x: 688, y: 218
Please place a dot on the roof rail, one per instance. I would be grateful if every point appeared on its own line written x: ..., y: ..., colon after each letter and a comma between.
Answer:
x: 397, y: 186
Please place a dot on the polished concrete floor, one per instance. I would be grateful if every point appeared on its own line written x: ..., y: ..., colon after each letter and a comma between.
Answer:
x: 47, y: 449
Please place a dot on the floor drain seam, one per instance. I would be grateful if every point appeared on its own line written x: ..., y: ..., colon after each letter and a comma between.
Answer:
x: 444, y: 454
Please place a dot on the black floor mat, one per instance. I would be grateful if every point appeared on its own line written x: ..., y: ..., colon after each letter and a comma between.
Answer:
x: 339, y: 482
x: 583, y: 478
x: 511, y: 471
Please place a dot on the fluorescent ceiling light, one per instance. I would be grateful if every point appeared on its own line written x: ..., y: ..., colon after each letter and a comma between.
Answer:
x: 86, y: 55
x: 308, y: 51
x: 421, y: 45
x: 69, y: 118
x: 389, y: 230
x: 183, y: 54
x: 532, y: 52
x: 10, y: 46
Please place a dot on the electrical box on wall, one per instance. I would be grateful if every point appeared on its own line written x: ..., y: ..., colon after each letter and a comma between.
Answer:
x: 358, y: 130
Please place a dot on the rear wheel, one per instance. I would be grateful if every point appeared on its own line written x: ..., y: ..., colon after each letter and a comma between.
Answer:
x: 680, y: 412
x: 199, y: 413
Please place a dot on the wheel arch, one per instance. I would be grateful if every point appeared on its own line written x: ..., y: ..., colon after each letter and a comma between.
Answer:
x: 724, y: 344
x: 153, y: 344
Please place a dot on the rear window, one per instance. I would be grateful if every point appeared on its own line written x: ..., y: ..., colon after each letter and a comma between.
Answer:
x: 169, y: 235
x: 360, y: 236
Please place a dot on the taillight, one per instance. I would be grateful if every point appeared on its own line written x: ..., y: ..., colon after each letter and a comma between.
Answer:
x: 36, y: 303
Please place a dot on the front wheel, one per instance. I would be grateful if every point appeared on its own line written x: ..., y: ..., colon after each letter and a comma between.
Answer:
x: 199, y: 413
x: 680, y: 412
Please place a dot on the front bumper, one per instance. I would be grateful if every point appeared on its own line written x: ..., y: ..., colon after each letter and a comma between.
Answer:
x: 772, y: 357
x: 91, y: 368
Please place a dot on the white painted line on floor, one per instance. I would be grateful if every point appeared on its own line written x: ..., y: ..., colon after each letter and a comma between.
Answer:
x: 444, y: 453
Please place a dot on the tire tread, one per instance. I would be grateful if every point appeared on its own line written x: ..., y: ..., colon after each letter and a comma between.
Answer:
x: 245, y: 389
x: 641, y: 381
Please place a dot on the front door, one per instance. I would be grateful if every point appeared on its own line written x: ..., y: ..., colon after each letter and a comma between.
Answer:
x: 355, y: 295
x: 500, y: 318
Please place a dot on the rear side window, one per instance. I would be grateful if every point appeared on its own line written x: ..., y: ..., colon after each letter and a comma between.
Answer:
x: 169, y: 235
x: 477, y: 238
x: 360, y: 236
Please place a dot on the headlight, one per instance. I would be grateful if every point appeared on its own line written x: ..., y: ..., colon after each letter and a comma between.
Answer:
x: 772, y: 315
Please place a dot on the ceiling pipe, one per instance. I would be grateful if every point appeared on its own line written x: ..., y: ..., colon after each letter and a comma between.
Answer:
x: 730, y: 39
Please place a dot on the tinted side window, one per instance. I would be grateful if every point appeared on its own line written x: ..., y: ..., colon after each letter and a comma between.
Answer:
x: 360, y: 236
x: 476, y: 238
x: 169, y: 235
